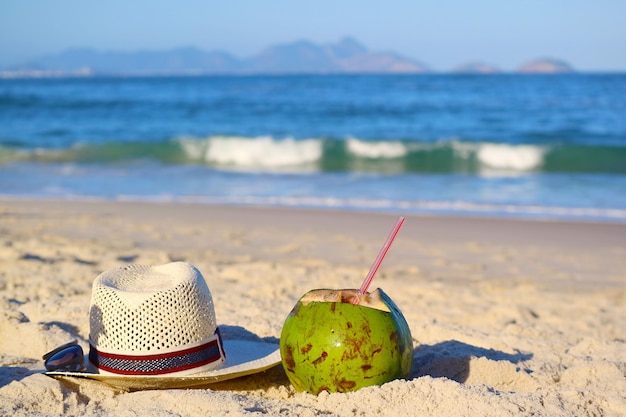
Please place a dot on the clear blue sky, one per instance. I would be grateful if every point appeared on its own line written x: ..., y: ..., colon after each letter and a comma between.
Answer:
x: 589, y: 34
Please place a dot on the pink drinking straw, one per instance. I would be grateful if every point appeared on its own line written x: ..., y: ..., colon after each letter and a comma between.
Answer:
x: 381, y: 255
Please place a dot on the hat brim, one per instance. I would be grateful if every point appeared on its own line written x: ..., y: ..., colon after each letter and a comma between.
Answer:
x: 243, y: 357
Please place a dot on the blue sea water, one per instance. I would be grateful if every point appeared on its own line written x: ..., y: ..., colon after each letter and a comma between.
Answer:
x: 542, y: 146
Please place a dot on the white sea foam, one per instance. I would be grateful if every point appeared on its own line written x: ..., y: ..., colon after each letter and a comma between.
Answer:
x: 260, y: 152
x: 376, y: 150
x: 195, y: 149
x: 510, y: 157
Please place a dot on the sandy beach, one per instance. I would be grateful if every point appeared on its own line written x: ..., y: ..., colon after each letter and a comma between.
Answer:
x: 508, y: 317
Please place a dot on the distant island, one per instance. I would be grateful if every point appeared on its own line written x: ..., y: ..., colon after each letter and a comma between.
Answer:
x: 348, y: 56
x: 545, y: 66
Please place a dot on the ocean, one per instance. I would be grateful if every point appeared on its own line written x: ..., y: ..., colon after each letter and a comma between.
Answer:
x: 508, y: 145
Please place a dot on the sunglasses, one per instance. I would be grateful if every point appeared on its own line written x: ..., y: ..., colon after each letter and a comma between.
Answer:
x: 68, y: 357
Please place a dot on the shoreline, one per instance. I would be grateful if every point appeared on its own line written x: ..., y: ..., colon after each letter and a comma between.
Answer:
x: 508, y: 316
x: 453, y: 209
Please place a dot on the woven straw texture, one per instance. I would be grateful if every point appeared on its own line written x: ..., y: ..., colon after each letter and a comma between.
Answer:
x: 141, y: 309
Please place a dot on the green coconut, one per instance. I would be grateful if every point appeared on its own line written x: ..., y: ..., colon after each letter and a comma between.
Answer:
x: 330, y: 344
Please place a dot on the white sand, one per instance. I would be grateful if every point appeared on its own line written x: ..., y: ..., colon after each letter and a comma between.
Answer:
x: 508, y: 317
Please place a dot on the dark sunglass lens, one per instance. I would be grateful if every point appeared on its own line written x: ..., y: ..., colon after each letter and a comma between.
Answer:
x: 71, y: 358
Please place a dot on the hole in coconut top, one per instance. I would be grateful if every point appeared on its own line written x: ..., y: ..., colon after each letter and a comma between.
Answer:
x: 371, y: 300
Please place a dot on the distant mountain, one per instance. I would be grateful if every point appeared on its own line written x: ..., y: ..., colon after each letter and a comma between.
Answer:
x: 545, y: 66
x: 346, y: 56
x: 180, y: 60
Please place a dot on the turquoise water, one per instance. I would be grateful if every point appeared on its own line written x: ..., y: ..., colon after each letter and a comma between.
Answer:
x: 547, y: 146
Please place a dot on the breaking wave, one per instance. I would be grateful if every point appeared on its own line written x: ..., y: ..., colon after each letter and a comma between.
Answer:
x: 267, y: 153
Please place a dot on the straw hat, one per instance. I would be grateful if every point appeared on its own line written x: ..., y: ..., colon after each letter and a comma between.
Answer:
x: 155, y: 327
